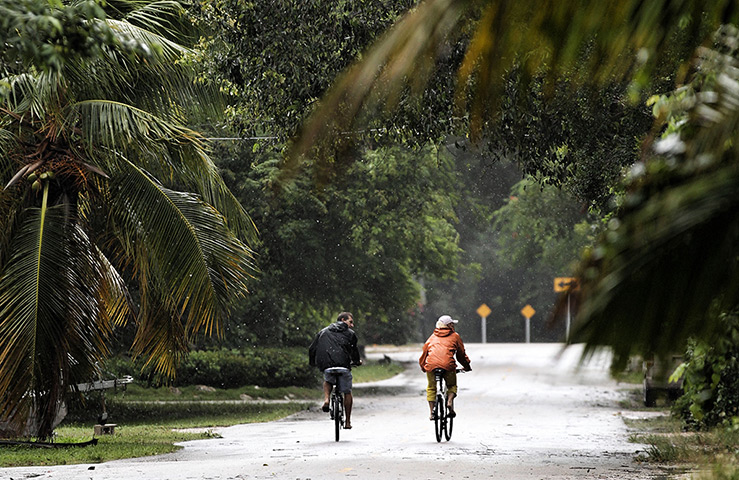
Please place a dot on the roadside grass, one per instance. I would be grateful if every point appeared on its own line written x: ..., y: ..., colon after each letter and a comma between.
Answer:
x: 128, y: 442
x: 374, y: 371
x: 151, y: 420
x: 709, y: 455
x: 195, y: 393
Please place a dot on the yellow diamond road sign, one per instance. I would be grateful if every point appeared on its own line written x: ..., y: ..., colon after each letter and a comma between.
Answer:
x: 565, y: 284
x: 483, y: 310
x: 528, y: 311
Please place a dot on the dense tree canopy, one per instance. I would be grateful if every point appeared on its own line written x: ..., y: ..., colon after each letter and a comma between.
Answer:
x: 361, y: 243
x: 636, y: 277
x: 279, y: 58
x: 589, y: 42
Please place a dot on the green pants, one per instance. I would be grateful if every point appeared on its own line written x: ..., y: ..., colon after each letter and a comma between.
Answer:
x: 450, y: 377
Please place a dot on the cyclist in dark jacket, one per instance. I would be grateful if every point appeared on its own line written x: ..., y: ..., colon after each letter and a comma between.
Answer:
x: 334, y: 351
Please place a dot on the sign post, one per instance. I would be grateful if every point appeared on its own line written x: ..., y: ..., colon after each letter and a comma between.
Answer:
x: 566, y: 284
x: 528, y: 312
x: 483, y: 310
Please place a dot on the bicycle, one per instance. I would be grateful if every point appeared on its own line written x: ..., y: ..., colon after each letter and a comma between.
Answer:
x: 336, y: 403
x: 443, y: 423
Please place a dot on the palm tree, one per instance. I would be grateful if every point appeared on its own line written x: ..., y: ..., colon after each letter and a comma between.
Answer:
x: 104, y: 188
x: 669, y: 262
x: 668, y: 266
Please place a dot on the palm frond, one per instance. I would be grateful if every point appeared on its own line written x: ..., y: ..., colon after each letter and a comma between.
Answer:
x: 157, y: 78
x: 408, y: 50
x: 665, y: 271
x: 184, y: 245
x: 163, y: 51
x: 114, y: 109
x: 8, y: 164
x: 591, y: 41
x: 163, y: 17
x: 52, y: 326
x: 173, y: 153
x: 161, y: 339
x: 669, y: 266
x: 168, y: 150
x: 29, y: 96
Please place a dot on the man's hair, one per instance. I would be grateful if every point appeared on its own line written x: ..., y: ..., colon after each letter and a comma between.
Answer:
x: 343, y: 316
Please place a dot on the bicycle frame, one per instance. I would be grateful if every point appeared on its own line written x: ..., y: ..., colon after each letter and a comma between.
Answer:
x: 443, y: 423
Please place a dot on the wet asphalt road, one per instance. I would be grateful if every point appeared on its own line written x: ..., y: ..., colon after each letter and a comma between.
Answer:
x: 524, y: 412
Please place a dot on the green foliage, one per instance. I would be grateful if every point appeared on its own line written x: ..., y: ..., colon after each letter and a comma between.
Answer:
x: 48, y: 33
x: 711, y: 379
x: 579, y: 138
x: 537, y: 235
x: 267, y: 367
x: 104, y: 188
x: 711, y: 454
x: 358, y: 244
x: 517, y: 235
x: 224, y: 368
x: 678, y: 227
x: 541, y: 222
x: 595, y: 42
x: 278, y: 58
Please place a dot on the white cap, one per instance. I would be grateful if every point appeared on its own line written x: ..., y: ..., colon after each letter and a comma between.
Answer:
x: 446, y: 320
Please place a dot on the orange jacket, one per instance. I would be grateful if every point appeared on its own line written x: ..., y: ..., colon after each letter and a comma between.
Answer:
x: 440, y: 349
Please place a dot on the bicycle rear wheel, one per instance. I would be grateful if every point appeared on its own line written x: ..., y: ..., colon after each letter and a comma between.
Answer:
x: 439, y: 417
x: 338, y: 415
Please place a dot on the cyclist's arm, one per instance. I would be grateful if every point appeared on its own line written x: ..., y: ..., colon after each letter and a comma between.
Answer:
x: 356, y: 359
x: 312, y: 351
x: 462, y: 355
x: 424, y: 354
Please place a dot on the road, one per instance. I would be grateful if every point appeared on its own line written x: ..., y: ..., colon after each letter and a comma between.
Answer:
x: 524, y: 412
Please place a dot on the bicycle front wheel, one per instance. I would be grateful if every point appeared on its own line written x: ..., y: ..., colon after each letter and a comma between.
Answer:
x: 439, y: 417
x: 449, y: 424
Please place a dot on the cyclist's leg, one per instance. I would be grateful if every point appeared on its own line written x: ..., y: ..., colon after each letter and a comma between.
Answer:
x: 328, y: 381
x: 431, y: 392
x: 450, y: 377
x: 348, y: 402
x: 344, y: 384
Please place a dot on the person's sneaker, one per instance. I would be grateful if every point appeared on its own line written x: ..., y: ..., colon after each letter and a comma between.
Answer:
x: 451, y: 413
x: 325, y: 407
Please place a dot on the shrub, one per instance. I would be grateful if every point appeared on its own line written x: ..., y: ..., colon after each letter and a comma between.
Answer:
x: 224, y: 368
x: 711, y: 383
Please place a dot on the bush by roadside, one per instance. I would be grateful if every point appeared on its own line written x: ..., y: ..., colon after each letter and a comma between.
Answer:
x: 711, y: 454
x: 711, y: 372
x: 226, y: 368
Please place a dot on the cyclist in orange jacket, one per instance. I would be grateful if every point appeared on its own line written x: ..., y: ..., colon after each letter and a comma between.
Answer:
x: 439, y: 351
